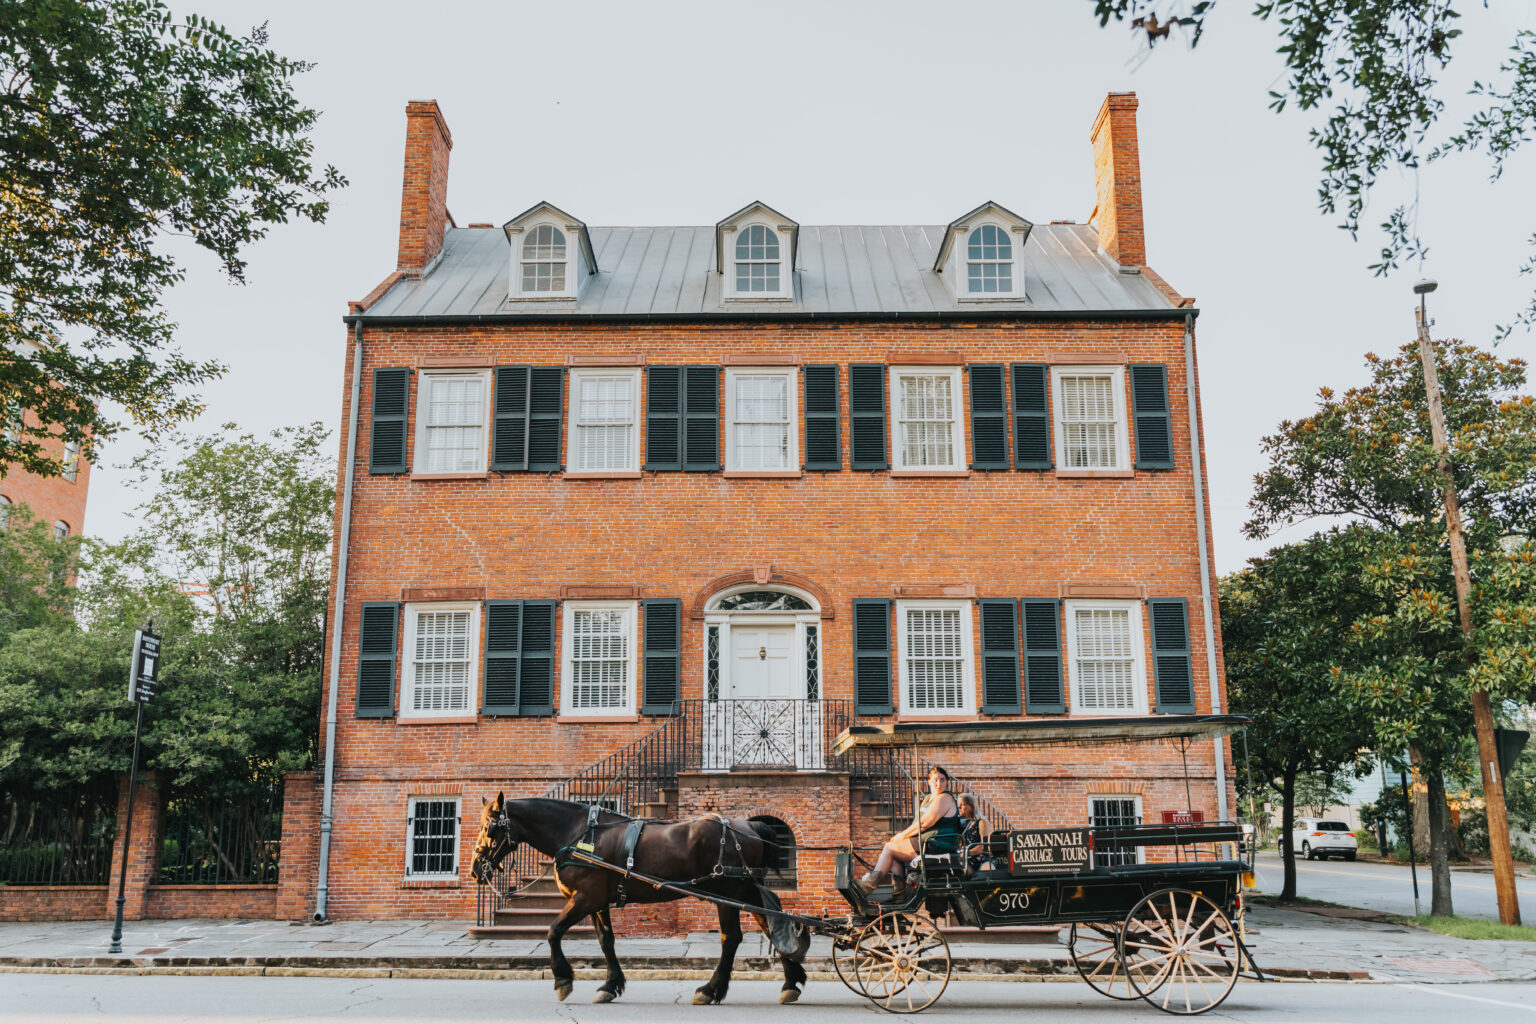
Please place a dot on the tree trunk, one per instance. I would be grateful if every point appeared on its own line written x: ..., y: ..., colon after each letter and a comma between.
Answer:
x: 1420, y: 792
x: 1287, y: 824
x: 1439, y: 846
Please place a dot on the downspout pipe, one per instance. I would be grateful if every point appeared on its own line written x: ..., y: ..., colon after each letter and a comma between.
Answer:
x: 338, y: 618
x: 1202, y: 541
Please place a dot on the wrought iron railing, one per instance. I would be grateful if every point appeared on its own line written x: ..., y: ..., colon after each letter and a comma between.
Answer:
x: 222, y: 841
x: 57, y: 841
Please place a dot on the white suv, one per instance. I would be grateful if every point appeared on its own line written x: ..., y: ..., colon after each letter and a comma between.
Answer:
x: 1323, y: 837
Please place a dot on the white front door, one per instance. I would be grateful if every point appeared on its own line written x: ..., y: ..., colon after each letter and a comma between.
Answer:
x: 763, y: 663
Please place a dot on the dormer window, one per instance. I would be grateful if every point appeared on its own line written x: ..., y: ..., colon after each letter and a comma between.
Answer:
x: 544, y: 260
x: 757, y: 260
x: 981, y: 256
x: 989, y: 261
x: 551, y: 254
x: 755, y: 255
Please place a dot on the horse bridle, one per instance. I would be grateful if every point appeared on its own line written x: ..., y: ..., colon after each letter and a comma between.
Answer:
x: 502, y: 848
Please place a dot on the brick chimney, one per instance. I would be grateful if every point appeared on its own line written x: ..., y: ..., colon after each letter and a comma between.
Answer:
x: 424, y: 195
x: 1117, y: 175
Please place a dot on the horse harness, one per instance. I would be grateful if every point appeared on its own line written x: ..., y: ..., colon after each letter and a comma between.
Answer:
x: 632, y: 830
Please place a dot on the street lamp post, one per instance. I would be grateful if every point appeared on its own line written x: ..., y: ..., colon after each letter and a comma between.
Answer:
x: 1482, y: 708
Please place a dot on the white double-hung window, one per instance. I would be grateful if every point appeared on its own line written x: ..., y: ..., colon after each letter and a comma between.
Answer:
x: 936, y: 672
x: 989, y: 261
x: 598, y: 655
x: 544, y: 261
x: 1090, y: 417
x: 604, y: 428
x: 440, y: 664
x: 451, y: 413
x: 929, y: 432
x: 1105, y: 661
x: 761, y: 427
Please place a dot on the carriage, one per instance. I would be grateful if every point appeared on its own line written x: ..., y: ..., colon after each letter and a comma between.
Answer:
x: 1168, y: 930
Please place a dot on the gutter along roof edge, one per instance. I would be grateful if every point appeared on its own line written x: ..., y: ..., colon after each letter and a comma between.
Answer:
x: 1174, y: 314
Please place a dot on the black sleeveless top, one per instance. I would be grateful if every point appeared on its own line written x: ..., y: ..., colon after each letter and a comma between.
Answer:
x: 944, y: 835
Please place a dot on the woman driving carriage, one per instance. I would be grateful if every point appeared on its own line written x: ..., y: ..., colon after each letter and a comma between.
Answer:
x: 936, y: 830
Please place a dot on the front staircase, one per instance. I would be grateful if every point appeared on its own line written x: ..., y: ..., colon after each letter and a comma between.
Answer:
x: 641, y: 780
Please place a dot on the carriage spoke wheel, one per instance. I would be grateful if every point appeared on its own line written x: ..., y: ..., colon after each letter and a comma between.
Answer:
x: 1179, y: 951
x: 901, y: 962
x: 1095, y: 952
x: 843, y: 947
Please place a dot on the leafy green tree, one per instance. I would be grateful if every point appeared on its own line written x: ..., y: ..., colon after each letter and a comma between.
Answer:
x: 36, y: 571
x: 122, y: 127
x: 1366, y: 456
x: 1375, y: 66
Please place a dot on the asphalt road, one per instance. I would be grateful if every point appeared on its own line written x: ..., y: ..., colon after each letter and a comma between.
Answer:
x: 1389, y: 888
x: 57, y: 998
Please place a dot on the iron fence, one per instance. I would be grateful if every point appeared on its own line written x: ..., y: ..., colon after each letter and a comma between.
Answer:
x: 57, y: 840
x: 222, y: 841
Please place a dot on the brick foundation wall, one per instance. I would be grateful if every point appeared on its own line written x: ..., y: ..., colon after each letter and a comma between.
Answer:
x: 171, y: 902
x: 55, y: 902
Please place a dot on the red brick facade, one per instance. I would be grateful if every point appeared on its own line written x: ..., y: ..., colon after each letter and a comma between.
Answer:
x: 835, y: 536
x: 52, y: 499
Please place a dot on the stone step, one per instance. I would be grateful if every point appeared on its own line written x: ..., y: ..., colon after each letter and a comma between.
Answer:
x: 535, y: 933
x: 550, y: 902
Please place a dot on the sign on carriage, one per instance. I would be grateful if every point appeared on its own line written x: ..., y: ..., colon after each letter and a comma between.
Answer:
x: 1039, y: 851
x: 144, y: 675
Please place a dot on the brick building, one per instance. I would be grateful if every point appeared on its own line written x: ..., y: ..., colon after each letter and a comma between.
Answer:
x: 693, y: 499
x: 57, y: 500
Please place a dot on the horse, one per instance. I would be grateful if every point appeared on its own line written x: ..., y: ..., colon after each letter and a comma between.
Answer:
x: 710, y: 854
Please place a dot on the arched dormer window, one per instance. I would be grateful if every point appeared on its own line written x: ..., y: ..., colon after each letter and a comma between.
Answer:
x: 758, y: 264
x: 544, y: 260
x: 989, y: 261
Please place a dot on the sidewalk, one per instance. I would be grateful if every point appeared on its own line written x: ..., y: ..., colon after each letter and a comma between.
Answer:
x: 1292, y: 944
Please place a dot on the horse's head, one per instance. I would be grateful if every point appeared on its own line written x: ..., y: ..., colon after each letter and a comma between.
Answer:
x: 498, y: 837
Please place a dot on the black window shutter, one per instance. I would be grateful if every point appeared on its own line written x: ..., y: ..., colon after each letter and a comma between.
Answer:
x: 1031, y: 416
x: 866, y: 415
x: 1173, y: 674
x: 989, y: 417
x: 391, y: 409
x: 1043, y: 690
x: 536, y: 659
x: 1154, y: 423
x: 999, y: 656
x: 545, y: 393
x: 663, y: 417
x: 503, y: 650
x: 377, y: 646
x: 661, y: 677
x: 823, y: 419
x: 509, y: 431
x: 872, y: 656
x: 701, y: 419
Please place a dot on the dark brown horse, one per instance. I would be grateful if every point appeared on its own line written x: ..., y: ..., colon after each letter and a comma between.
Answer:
x: 712, y: 855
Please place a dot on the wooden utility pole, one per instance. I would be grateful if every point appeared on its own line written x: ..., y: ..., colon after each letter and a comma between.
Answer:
x: 1482, y: 708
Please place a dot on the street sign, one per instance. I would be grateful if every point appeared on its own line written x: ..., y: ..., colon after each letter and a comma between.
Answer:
x: 1183, y: 817
x: 144, y: 675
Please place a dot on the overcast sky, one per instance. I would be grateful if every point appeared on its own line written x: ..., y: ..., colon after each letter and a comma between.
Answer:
x: 853, y: 113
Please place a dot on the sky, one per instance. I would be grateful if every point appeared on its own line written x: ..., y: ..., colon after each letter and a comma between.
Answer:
x: 837, y: 112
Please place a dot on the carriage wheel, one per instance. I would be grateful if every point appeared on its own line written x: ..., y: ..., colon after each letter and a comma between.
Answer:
x: 1095, y: 952
x: 843, y: 947
x: 1179, y: 951
x: 901, y: 961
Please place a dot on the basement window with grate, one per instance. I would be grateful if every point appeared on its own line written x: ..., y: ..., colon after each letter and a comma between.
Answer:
x: 432, y: 838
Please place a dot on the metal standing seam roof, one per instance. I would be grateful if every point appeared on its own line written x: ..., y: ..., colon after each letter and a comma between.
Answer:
x: 842, y: 269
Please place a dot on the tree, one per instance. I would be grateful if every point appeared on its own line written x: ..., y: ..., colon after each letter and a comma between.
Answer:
x: 1377, y: 63
x: 1366, y: 456
x: 36, y: 571
x: 1284, y: 620
x: 120, y: 128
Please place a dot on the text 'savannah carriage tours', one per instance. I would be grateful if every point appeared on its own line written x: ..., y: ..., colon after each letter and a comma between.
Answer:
x: 1168, y: 931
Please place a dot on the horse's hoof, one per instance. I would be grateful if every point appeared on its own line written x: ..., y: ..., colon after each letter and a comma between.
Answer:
x: 703, y: 999
x: 561, y: 991
x: 603, y: 996
x: 789, y: 995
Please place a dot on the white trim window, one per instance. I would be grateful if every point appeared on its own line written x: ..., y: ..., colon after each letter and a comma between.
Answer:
x: 450, y: 422
x: 432, y: 837
x: 60, y: 530
x: 759, y: 262
x: 989, y: 261
x: 544, y: 265
x: 5, y: 512
x: 936, y: 671
x: 1106, y: 810
x: 604, y: 424
x: 71, y: 460
x: 1090, y: 417
x: 440, y: 666
x: 598, y: 655
x: 1105, y: 659
x: 929, y: 431
x: 761, y: 428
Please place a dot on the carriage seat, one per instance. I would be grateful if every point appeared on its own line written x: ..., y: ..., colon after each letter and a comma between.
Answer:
x: 938, y: 862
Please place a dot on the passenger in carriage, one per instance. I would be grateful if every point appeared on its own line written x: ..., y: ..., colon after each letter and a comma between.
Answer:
x: 936, y: 830
x: 974, y: 831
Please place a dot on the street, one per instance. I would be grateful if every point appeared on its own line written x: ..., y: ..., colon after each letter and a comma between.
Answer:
x: 1388, y: 887
x: 55, y: 998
